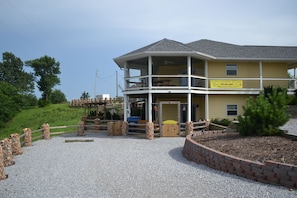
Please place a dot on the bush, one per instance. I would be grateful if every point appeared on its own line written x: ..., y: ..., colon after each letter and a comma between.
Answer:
x: 265, y: 114
x: 29, y: 100
x: 57, y: 97
x: 42, y: 103
x: 223, y: 122
x: 292, y: 100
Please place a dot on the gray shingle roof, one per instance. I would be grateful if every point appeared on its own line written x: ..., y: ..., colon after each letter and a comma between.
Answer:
x: 225, y: 50
x: 164, y: 45
x: 216, y: 50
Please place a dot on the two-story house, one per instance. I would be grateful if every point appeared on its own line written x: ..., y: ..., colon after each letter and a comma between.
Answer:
x: 203, y: 79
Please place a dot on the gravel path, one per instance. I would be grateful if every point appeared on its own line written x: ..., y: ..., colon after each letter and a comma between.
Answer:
x: 121, y: 167
x: 291, y: 126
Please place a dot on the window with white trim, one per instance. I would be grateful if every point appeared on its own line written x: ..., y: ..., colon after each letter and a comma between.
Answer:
x: 231, y: 70
x: 232, y: 110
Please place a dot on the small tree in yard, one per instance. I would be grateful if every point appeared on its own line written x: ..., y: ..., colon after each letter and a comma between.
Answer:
x: 265, y: 114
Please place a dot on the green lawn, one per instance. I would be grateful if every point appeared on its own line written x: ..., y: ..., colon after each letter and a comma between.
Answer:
x: 54, y: 115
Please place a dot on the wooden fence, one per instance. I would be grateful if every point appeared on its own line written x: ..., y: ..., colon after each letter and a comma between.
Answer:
x: 13, y: 145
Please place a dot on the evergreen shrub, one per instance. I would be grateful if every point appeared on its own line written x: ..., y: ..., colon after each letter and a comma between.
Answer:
x: 264, y: 114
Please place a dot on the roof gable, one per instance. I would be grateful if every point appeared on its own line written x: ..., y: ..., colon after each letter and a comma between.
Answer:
x: 164, y: 45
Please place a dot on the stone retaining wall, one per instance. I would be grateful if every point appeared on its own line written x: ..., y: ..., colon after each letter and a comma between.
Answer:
x: 270, y: 172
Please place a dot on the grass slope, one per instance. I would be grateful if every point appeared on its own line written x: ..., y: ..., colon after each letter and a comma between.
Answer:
x: 54, y: 115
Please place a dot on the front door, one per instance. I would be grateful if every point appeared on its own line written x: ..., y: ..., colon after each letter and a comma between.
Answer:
x: 169, y: 110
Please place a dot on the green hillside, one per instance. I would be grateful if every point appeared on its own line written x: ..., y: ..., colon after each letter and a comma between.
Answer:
x: 54, y: 115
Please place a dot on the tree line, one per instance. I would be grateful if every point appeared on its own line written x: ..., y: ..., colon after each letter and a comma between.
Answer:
x: 17, y: 86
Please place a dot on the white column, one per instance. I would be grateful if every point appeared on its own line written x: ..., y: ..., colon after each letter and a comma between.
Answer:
x: 126, y: 75
x: 150, y: 66
x: 189, y: 117
x: 189, y: 72
x: 206, y: 107
x: 295, y: 81
x: 125, y: 108
x: 150, y: 109
x: 261, y: 75
x: 206, y: 95
x: 147, y: 114
x: 189, y: 64
x: 150, y: 101
x: 126, y: 97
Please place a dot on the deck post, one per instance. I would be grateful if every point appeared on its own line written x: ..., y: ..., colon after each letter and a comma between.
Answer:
x: 7, y: 152
x: 46, y: 131
x: 149, y: 132
x: 80, y: 128
x: 189, y: 128
x: 110, y: 126
x: 124, y: 128
x: 2, y: 174
x: 16, y: 144
x: 97, y: 124
x: 28, y: 137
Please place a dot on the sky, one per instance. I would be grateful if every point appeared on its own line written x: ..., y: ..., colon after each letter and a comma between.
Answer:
x: 85, y: 35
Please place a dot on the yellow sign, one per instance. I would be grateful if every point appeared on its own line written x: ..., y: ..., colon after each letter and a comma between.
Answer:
x: 226, y: 84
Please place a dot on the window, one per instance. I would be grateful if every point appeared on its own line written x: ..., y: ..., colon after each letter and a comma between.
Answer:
x: 232, y: 110
x: 231, y: 70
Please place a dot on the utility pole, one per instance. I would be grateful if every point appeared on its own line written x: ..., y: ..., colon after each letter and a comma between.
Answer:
x: 97, y: 74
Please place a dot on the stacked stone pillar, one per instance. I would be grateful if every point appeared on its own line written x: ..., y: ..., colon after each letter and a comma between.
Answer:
x: 46, y: 131
x: 7, y: 152
x: 84, y: 119
x: 189, y: 128
x: 124, y: 128
x: 110, y: 128
x: 28, y: 137
x: 150, y: 130
x: 97, y: 123
x: 80, y: 128
x: 2, y: 174
x: 16, y: 144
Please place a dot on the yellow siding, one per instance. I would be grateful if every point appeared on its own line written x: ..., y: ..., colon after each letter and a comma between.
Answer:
x: 252, y: 70
x: 218, y: 103
x: 244, y: 70
x: 275, y: 70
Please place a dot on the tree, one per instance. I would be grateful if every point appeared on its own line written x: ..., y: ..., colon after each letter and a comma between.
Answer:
x: 46, y: 70
x: 12, y: 72
x: 85, y: 95
x: 265, y: 114
x: 10, y: 102
x: 29, y: 100
x: 57, y: 97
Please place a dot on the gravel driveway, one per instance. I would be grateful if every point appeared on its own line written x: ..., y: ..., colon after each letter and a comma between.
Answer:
x: 121, y: 167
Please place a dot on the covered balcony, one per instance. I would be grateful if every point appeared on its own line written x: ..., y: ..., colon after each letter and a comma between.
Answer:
x: 185, y: 73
